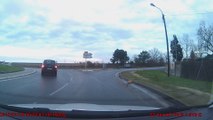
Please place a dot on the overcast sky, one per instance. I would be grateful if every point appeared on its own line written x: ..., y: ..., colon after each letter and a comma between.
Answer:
x: 33, y: 30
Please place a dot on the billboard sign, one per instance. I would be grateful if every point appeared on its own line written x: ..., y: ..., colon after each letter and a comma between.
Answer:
x: 86, y: 55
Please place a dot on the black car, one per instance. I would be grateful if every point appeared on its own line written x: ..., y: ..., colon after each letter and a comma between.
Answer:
x: 49, y: 67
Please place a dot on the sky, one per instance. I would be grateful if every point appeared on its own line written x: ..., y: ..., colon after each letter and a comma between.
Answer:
x: 34, y: 30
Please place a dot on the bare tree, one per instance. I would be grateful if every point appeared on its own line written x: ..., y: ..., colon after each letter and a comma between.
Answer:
x: 192, y: 55
x: 155, y: 55
x: 187, y: 44
x: 205, y: 37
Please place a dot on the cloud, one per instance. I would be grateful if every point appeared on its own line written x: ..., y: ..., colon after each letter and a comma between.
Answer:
x: 37, y: 20
x: 84, y: 36
x: 113, y: 32
x: 11, y: 8
x: 69, y: 27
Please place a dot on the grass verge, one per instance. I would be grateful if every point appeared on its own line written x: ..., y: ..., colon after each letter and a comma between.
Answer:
x: 187, y: 91
x: 9, y: 69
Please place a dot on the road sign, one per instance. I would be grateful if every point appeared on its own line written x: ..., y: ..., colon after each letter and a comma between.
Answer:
x: 86, y: 54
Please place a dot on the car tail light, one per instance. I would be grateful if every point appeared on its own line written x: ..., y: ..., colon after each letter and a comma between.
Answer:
x: 42, y: 66
x: 56, y: 66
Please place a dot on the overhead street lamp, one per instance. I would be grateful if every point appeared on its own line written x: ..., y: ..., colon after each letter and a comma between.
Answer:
x: 163, y: 17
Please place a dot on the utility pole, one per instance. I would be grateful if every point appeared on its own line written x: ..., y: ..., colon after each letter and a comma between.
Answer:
x: 167, y: 43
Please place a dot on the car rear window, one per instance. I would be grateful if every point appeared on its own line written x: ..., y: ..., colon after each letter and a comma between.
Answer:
x: 49, y: 62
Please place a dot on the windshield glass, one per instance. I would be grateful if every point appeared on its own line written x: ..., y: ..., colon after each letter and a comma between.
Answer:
x: 111, y: 54
x: 49, y: 62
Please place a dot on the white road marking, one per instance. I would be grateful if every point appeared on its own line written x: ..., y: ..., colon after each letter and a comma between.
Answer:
x: 59, y: 89
x: 87, y: 70
x: 10, y: 79
x: 70, y: 79
x: 15, y: 77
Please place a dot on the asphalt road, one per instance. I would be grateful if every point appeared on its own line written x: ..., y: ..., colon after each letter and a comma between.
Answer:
x: 77, y: 86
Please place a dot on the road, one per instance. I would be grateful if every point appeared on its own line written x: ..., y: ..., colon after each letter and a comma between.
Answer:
x: 77, y: 86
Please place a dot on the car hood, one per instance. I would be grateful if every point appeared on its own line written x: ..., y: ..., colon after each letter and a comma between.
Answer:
x: 85, y: 107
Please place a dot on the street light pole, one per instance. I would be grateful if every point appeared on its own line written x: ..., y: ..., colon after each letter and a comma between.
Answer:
x: 167, y: 43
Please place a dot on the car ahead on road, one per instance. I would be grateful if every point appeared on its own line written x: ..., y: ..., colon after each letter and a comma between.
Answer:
x: 49, y: 67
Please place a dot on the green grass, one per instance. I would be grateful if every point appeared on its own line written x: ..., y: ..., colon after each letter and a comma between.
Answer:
x: 161, y: 78
x: 184, y: 90
x: 8, y: 69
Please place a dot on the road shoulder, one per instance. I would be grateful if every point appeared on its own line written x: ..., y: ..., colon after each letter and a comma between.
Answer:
x: 155, y: 90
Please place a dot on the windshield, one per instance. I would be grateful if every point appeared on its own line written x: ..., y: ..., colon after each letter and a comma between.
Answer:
x: 111, y: 54
x: 49, y: 62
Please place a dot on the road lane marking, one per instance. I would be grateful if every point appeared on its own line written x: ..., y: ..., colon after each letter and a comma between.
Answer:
x: 10, y: 79
x: 87, y: 70
x: 58, y: 89
x: 14, y: 78
x: 70, y: 79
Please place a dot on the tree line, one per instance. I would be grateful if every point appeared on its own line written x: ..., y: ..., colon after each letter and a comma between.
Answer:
x: 185, y: 48
x: 150, y: 57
